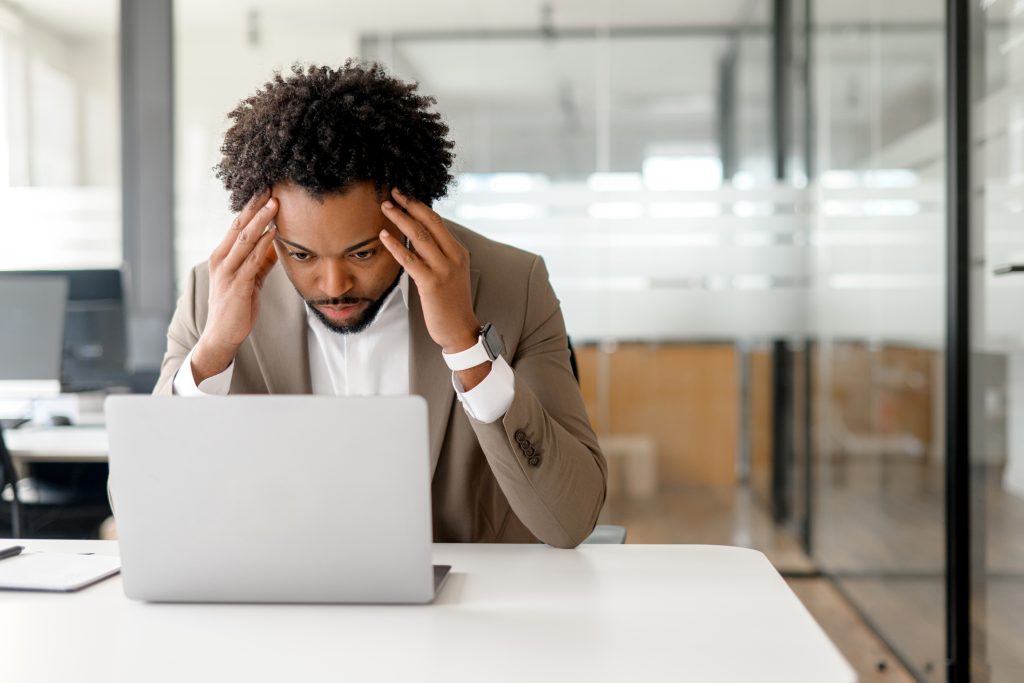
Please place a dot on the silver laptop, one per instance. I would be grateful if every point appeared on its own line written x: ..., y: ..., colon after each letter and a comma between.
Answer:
x: 273, y: 498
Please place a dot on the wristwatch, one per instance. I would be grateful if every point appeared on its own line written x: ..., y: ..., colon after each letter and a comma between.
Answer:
x: 487, y: 348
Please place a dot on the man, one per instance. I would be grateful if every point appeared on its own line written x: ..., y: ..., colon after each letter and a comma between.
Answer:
x: 337, y: 278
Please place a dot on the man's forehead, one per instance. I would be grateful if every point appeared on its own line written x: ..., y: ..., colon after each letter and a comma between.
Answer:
x: 361, y: 198
x: 337, y: 220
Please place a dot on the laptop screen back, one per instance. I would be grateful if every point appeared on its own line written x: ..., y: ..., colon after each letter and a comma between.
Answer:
x: 31, y: 327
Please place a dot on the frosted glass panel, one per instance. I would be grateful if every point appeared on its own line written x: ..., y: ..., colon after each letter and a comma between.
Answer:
x: 656, y: 266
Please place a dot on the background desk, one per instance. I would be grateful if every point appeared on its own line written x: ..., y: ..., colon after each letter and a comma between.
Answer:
x: 507, y: 613
x: 58, y: 444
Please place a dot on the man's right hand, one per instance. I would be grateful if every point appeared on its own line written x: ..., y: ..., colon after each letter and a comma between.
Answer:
x: 238, y: 267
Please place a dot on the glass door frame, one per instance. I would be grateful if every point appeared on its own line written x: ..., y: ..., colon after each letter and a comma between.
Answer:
x: 960, y: 18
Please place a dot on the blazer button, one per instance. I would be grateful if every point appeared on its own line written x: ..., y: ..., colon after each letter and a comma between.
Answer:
x: 529, y: 451
x: 534, y: 461
x: 520, y: 436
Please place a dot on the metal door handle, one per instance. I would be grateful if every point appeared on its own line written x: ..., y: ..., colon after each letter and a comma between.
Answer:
x: 1008, y: 268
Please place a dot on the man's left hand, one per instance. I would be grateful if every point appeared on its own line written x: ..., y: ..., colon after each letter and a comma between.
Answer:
x: 440, y: 267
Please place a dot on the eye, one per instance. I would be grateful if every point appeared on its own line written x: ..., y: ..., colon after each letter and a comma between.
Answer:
x: 364, y: 255
x: 299, y: 256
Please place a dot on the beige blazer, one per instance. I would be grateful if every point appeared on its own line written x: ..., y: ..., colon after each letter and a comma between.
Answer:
x: 484, y: 487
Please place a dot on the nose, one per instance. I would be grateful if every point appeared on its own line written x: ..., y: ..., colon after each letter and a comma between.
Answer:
x: 334, y: 279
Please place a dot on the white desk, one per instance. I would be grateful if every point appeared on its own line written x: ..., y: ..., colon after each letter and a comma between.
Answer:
x: 58, y: 444
x: 507, y: 613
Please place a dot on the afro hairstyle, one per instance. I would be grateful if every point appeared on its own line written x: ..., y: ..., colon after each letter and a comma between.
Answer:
x: 328, y: 129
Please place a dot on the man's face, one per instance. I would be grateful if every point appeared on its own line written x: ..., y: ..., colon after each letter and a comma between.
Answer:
x: 331, y: 252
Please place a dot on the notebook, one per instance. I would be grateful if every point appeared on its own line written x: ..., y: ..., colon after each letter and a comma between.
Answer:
x: 62, y: 572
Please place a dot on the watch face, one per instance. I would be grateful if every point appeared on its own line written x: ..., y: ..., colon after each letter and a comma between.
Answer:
x: 492, y: 341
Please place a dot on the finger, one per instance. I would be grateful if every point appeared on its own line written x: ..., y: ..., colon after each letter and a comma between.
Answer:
x: 422, y: 239
x: 412, y: 263
x: 250, y: 235
x: 269, y: 261
x: 430, y: 219
x: 255, y: 262
x: 240, y: 221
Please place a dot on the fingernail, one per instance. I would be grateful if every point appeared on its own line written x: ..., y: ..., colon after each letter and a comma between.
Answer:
x: 388, y: 205
x: 270, y: 203
x: 396, y: 191
x: 384, y: 234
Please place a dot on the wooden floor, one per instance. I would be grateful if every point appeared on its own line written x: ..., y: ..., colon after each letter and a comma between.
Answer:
x: 866, y: 652
x: 881, y: 530
x: 910, y: 614
x: 712, y: 515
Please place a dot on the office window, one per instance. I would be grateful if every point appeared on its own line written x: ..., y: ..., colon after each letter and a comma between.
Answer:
x: 59, y: 135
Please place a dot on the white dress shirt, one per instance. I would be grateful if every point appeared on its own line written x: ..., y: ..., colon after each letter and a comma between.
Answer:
x: 374, y: 362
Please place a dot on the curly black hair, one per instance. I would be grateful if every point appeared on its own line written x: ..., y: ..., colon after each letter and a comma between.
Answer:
x: 327, y: 129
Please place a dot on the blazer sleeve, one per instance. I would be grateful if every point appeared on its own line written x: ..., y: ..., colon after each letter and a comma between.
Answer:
x: 182, y: 335
x: 543, y: 452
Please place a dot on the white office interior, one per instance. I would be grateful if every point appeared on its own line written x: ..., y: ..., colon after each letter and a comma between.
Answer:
x: 746, y: 211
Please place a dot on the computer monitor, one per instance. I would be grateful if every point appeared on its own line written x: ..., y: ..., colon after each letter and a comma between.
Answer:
x: 32, y: 313
x: 94, y: 344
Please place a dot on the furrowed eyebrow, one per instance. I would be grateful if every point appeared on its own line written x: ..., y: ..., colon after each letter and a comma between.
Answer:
x: 361, y: 244
x: 350, y: 249
x: 294, y: 245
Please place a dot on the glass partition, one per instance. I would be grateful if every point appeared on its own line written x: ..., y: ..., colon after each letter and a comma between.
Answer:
x: 876, y: 312
x: 997, y: 396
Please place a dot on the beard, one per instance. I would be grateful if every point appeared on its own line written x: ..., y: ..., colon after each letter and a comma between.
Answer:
x: 360, y: 323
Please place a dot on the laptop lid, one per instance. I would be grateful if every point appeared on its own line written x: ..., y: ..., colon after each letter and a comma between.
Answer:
x: 272, y: 498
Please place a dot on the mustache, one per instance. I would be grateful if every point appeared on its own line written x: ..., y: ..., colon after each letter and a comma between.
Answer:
x: 340, y: 301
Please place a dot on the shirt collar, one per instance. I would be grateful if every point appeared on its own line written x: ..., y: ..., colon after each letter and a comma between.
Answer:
x: 403, y: 284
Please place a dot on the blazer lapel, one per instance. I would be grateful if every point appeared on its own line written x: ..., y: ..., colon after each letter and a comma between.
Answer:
x: 429, y: 376
x: 279, y: 339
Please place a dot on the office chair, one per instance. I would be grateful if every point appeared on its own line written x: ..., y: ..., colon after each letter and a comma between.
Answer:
x: 40, y: 509
x: 607, y: 534
x: 603, y: 533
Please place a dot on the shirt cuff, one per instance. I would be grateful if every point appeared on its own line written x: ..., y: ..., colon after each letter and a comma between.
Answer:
x: 184, y: 383
x: 491, y: 399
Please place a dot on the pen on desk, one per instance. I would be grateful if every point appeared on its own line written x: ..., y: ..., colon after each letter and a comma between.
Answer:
x: 11, y: 552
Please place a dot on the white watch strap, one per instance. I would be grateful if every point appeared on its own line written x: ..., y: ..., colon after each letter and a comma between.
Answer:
x: 470, y: 358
